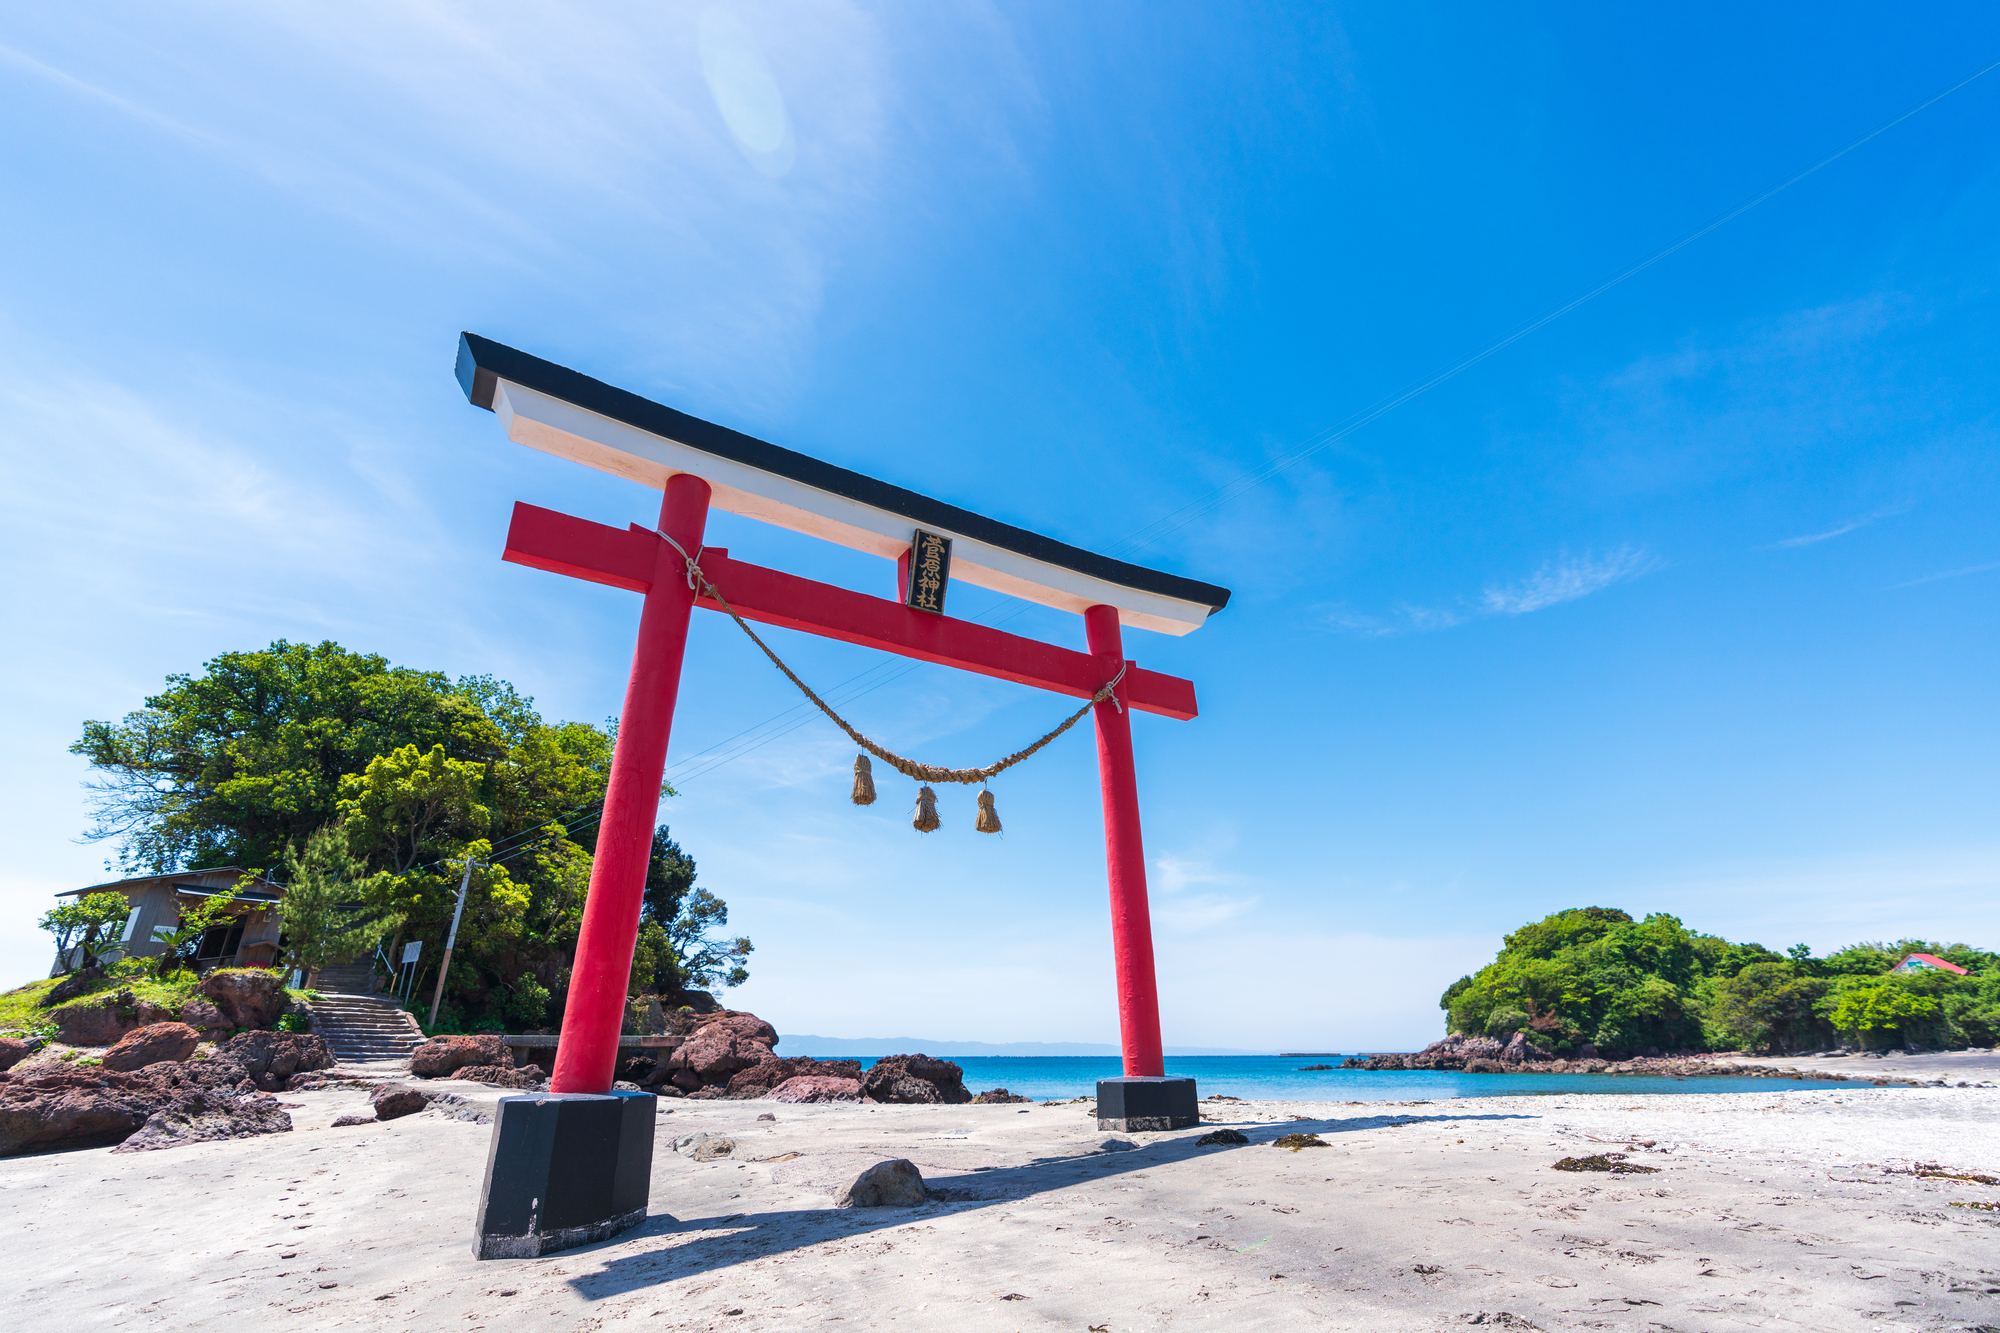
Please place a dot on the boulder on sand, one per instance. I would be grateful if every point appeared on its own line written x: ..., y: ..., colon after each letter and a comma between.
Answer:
x: 205, y: 1118
x: 152, y: 1044
x: 817, y: 1088
x: 893, y: 1184
x: 999, y: 1095
x: 392, y: 1101
x: 530, y: 1077
x: 444, y: 1055
x: 915, y: 1079
x: 248, y: 997
x: 271, y: 1058
x: 715, y: 1052
x: 766, y: 1075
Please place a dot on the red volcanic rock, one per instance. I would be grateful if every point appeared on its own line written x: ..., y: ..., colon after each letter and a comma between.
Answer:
x: 443, y: 1055
x: 151, y: 1045
x: 85, y: 1108
x: 915, y: 1079
x: 247, y: 997
x: 765, y: 1075
x: 817, y: 1088
x: 714, y: 1052
x: 392, y: 1101
x: 271, y: 1058
x: 207, y: 1118
x: 12, y: 1052
x: 204, y: 1017
x: 527, y: 1076
x: 93, y: 1022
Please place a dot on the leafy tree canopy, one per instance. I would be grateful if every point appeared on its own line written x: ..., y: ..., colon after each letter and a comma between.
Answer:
x: 96, y: 922
x: 1593, y: 974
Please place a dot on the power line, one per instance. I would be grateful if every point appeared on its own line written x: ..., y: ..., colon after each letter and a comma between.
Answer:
x: 1175, y: 521
x: 1191, y: 512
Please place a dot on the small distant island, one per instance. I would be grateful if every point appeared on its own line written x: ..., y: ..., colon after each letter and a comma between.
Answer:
x: 1589, y: 987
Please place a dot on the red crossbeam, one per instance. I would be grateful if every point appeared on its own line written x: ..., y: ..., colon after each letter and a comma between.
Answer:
x: 623, y: 558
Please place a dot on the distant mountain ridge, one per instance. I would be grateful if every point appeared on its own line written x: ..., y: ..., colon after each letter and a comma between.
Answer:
x: 807, y: 1044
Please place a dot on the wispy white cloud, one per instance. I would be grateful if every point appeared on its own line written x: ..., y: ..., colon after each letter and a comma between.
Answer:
x: 1191, y: 896
x: 1948, y: 574
x: 1567, y: 579
x: 1813, y: 537
x: 1564, y: 579
x: 1839, y: 530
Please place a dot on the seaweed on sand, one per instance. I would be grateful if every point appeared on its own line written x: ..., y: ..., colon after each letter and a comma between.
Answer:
x: 1613, y: 1162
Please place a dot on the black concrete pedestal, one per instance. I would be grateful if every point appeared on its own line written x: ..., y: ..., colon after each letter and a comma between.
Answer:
x: 1146, y: 1103
x: 564, y: 1169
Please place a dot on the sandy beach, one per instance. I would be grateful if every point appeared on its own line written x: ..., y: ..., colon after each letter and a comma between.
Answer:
x: 1779, y: 1209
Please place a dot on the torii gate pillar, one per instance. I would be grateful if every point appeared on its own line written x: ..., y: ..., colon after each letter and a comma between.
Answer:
x: 1144, y: 1098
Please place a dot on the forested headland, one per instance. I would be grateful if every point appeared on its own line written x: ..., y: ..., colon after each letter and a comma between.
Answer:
x: 1594, y: 975
x: 378, y: 783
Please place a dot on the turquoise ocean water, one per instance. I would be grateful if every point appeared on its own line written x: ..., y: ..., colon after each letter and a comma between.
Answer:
x: 1274, y: 1078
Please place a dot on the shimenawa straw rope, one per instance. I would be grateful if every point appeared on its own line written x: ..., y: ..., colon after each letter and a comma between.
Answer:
x: 698, y: 582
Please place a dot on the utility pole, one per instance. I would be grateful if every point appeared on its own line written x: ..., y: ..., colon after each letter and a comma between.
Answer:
x: 437, y: 996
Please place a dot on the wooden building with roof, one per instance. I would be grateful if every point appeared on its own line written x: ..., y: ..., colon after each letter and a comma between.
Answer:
x: 251, y: 937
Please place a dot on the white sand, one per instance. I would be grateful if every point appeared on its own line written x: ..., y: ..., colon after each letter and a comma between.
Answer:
x: 1769, y: 1210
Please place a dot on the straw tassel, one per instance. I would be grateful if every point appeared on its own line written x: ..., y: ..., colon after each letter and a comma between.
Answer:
x: 864, y: 781
x: 989, y: 818
x: 924, y: 819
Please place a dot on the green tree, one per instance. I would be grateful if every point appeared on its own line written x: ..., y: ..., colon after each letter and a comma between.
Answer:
x: 1885, y: 1005
x: 88, y: 923
x: 226, y: 767
x: 678, y: 947
x: 262, y: 749
x: 1768, y: 1005
x: 324, y: 916
x: 702, y: 957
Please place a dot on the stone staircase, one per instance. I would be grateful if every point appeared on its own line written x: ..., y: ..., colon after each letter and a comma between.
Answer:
x: 358, y: 1025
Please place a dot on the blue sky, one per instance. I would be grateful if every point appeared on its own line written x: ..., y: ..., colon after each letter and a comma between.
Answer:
x: 1684, y: 602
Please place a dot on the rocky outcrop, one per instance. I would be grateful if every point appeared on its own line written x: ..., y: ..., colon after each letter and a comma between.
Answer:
x: 246, y: 997
x: 206, y: 1118
x: 817, y: 1088
x: 392, y: 1101
x: 716, y: 1052
x: 893, y: 1184
x: 764, y: 1076
x: 12, y: 1052
x: 204, y: 1017
x: 95, y: 1021
x: 1518, y: 1055
x: 527, y: 1077
x: 442, y: 1056
x: 71, y: 986
x: 915, y: 1079
x: 151, y: 1045
x: 998, y: 1095
x: 272, y: 1058
x: 85, y: 1108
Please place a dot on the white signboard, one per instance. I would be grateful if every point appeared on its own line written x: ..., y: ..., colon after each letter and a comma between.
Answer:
x: 411, y: 950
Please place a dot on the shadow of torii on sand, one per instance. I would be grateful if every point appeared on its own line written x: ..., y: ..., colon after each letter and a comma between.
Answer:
x: 693, y: 1246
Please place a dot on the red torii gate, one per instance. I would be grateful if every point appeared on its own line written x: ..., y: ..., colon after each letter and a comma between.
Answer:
x: 544, y: 1148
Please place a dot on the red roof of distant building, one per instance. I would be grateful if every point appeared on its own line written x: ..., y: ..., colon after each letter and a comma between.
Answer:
x: 1932, y: 960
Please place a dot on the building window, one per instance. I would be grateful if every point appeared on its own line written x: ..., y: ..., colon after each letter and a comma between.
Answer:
x: 218, y: 943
